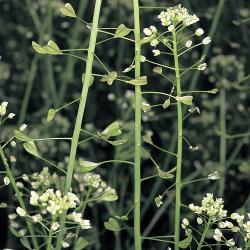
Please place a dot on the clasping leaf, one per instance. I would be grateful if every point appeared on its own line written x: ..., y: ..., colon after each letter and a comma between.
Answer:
x: 121, y: 31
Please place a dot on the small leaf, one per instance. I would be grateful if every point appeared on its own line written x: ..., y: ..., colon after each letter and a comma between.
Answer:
x: 87, y: 166
x: 142, y: 80
x: 112, y: 129
x: 52, y: 48
x: 81, y: 243
x: 166, y: 104
x: 187, y: 100
x: 68, y: 10
x: 109, y: 195
x: 51, y: 114
x: 117, y: 142
x: 121, y: 31
x: 31, y: 148
x: 25, y: 243
x: 164, y: 175
x: 38, y: 48
x: 21, y: 136
x: 91, y: 79
x: 109, y: 78
x: 186, y: 242
x: 123, y: 218
x: 112, y: 225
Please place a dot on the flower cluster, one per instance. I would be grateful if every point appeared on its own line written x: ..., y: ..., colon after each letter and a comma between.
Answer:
x: 77, y: 217
x: 213, y: 208
x: 3, y: 110
x: 242, y: 225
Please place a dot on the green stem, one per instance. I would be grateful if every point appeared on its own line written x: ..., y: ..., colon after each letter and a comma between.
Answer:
x: 19, y: 197
x: 49, y: 239
x: 80, y: 113
x: 223, y: 141
x: 179, y: 146
x: 204, y: 235
x: 138, y: 98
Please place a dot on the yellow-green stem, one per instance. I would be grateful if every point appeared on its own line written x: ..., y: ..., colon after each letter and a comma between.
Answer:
x: 80, y: 113
x: 137, y: 166
x: 179, y: 147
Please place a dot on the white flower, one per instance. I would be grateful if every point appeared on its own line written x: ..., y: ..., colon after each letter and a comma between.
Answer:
x: 23, y: 127
x: 170, y: 28
x: 13, y: 144
x: 4, y: 104
x: 188, y: 44
x: 34, y: 198
x: 128, y: 69
x: 2, y: 110
x: 12, y: 158
x: 55, y: 226
x: 199, y: 32
x: 36, y: 218
x: 85, y: 224
x: 230, y: 243
x: 65, y: 244
x: 76, y: 217
x: 6, y: 180
x: 158, y: 70
x: 147, y: 31
x: 21, y: 212
x: 154, y: 42
x: 199, y: 221
x: 11, y: 115
x: 206, y: 40
x: 185, y: 221
x: 143, y: 58
x: 156, y: 52
x: 202, y: 66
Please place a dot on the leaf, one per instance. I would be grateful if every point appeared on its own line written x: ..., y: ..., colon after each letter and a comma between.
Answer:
x: 68, y: 10
x: 166, y: 104
x: 112, y: 225
x: 109, y: 195
x: 123, y: 217
x: 21, y: 136
x: 112, y: 129
x: 14, y: 232
x: 186, y: 242
x: 109, y: 78
x: 164, y: 175
x: 81, y: 243
x: 52, y: 48
x: 39, y: 49
x: 118, y: 142
x: 187, y: 100
x: 51, y: 114
x: 25, y: 243
x: 121, y: 31
x: 142, y: 80
x: 91, y: 79
x: 31, y: 148
x: 87, y: 166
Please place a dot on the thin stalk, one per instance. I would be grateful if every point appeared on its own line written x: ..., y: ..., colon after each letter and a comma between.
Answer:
x: 223, y: 142
x: 19, y: 197
x: 49, y: 239
x: 137, y: 159
x: 204, y: 235
x: 80, y: 113
x: 179, y: 146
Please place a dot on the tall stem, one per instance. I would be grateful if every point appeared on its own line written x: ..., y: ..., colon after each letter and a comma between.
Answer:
x: 19, y: 197
x: 179, y: 147
x: 80, y: 113
x: 223, y: 142
x: 137, y: 166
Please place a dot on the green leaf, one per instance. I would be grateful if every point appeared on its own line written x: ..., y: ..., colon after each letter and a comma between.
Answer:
x: 87, y: 166
x: 91, y: 79
x: 142, y: 80
x: 68, y: 10
x: 187, y: 100
x: 112, y: 129
x: 186, y: 242
x: 112, y: 225
x: 31, y: 148
x: 121, y: 31
x: 38, y: 48
x: 123, y: 217
x: 52, y: 48
x: 117, y: 142
x: 109, y: 78
x: 25, y: 243
x: 165, y: 175
x: 81, y: 243
x: 166, y: 104
x: 109, y: 195
x: 21, y: 136
x: 51, y: 114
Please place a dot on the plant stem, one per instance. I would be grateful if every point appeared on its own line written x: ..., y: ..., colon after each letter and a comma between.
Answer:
x: 223, y: 142
x: 179, y: 146
x: 19, y: 197
x: 204, y: 235
x: 80, y: 113
x: 138, y: 97
x: 49, y: 239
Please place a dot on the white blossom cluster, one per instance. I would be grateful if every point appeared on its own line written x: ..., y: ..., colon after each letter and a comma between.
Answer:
x: 54, y: 202
x: 213, y: 208
x: 243, y: 225
x: 77, y: 217
x: 3, y: 110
